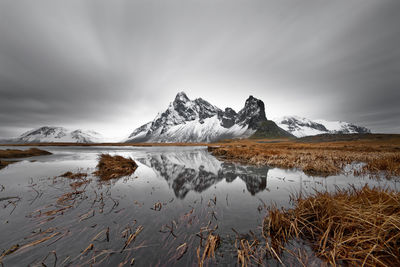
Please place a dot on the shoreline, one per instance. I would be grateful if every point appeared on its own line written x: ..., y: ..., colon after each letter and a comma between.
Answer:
x: 324, y: 138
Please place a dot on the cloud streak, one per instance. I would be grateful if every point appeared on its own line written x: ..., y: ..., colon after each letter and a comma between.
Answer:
x: 112, y: 65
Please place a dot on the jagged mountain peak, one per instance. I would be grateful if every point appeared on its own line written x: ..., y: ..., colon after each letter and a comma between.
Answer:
x: 253, y: 113
x: 197, y: 120
x: 230, y: 111
x: 181, y: 97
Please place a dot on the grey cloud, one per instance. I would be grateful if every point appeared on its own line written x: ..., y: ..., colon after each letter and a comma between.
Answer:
x: 112, y: 65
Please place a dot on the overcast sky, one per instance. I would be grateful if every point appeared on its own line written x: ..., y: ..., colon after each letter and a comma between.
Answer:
x: 111, y: 66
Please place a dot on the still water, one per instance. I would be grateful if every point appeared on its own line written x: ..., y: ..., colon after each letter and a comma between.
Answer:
x: 175, y: 196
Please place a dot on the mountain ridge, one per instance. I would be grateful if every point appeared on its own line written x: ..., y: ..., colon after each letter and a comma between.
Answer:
x: 300, y: 126
x: 193, y: 121
x: 57, y: 134
x: 197, y: 120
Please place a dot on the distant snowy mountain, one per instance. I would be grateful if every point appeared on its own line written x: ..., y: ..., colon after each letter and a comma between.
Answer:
x: 300, y: 127
x: 197, y: 120
x: 48, y: 134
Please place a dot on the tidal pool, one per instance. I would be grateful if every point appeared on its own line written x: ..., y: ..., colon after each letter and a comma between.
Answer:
x: 176, y: 196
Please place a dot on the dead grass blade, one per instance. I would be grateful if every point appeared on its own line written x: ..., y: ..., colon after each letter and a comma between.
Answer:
x: 132, y: 237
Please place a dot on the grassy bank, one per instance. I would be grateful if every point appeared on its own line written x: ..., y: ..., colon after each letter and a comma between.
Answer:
x: 352, y: 227
x: 315, y: 156
x: 16, y: 153
x: 106, y: 144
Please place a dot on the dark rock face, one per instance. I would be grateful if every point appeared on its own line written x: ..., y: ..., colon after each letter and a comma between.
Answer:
x: 180, y: 111
x: 191, y: 110
x: 205, y: 109
x: 187, y: 112
x: 252, y: 114
x: 269, y: 129
x: 228, y: 117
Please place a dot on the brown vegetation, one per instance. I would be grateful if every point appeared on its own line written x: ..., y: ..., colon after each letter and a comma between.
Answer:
x: 380, y: 155
x: 4, y: 163
x: 16, y: 153
x: 354, y: 226
x: 112, y: 167
x: 212, y: 243
x: 108, y: 144
x: 78, y: 175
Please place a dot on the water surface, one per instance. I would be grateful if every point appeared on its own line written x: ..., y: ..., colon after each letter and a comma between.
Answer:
x: 194, y: 189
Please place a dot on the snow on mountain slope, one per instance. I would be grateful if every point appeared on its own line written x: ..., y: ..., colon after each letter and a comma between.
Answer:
x: 48, y: 134
x: 206, y: 130
x: 197, y: 120
x: 299, y: 126
x: 343, y: 127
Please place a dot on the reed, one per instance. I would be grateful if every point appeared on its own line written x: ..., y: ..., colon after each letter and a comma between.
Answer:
x: 212, y: 243
x: 351, y: 226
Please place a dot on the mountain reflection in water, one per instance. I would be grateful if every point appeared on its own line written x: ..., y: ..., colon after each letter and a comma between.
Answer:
x: 198, y: 171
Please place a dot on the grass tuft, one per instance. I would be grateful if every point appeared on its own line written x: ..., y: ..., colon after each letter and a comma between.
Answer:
x: 352, y: 226
x: 113, y: 167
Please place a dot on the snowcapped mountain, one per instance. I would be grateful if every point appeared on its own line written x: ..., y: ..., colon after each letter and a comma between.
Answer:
x: 300, y: 127
x: 197, y: 120
x: 48, y: 134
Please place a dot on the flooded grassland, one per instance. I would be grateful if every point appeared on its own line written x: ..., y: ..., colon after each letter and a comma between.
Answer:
x: 181, y: 207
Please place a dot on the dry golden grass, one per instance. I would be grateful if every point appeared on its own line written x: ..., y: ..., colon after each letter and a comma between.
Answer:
x: 355, y: 226
x: 113, y: 167
x: 132, y: 237
x: 16, y: 153
x: 247, y: 252
x: 212, y: 243
x: 380, y: 155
